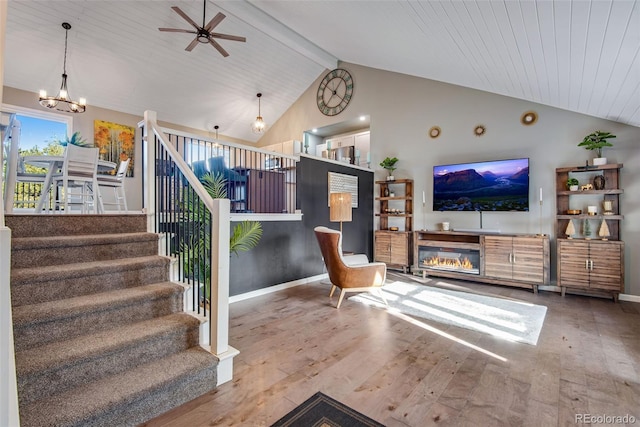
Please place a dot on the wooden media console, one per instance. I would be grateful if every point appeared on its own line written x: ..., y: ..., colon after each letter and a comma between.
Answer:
x: 501, y: 259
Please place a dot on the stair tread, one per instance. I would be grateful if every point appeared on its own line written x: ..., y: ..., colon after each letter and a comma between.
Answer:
x: 62, y: 353
x: 78, y: 269
x: 60, y: 309
x: 84, y: 404
x: 21, y: 243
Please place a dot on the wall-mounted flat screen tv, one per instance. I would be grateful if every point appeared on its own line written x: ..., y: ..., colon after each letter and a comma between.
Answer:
x: 498, y: 185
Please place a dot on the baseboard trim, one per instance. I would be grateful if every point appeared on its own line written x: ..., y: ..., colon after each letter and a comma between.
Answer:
x: 627, y: 297
x: 276, y: 288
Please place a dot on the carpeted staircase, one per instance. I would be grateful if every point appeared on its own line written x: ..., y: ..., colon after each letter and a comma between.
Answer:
x: 100, y: 336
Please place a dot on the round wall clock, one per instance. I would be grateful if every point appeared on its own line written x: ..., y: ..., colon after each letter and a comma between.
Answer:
x: 335, y: 92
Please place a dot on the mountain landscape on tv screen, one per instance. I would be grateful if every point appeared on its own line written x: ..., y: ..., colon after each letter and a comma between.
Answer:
x: 489, y: 190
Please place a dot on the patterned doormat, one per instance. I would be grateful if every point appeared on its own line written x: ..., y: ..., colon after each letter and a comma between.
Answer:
x: 322, y: 411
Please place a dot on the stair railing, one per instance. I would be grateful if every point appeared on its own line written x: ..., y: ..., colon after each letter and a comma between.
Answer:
x: 179, y: 208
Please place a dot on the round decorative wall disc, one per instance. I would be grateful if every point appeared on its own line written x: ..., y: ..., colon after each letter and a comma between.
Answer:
x: 529, y: 118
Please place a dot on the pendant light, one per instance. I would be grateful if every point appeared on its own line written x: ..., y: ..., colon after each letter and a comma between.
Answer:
x: 258, y: 126
x: 63, y: 102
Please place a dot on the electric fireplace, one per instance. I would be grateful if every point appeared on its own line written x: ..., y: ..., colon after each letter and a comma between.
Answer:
x: 449, y: 259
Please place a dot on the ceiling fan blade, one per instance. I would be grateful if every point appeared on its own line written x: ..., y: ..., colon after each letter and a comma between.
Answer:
x: 220, y: 48
x: 185, y: 17
x: 228, y: 37
x: 177, y: 30
x: 192, y: 45
x: 215, y: 21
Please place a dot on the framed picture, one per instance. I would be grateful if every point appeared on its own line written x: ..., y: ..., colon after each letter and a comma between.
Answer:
x: 342, y: 183
x: 116, y: 142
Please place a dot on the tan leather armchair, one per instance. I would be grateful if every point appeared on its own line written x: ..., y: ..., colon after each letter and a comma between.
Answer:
x: 352, y: 273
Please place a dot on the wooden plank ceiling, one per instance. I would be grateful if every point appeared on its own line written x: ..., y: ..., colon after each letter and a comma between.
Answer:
x: 581, y: 55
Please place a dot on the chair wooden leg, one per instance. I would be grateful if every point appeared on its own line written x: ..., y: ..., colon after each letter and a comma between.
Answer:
x: 333, y: 288
x: 342, y: 292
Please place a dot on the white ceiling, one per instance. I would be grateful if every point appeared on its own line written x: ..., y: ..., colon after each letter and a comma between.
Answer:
x: 578, y: 55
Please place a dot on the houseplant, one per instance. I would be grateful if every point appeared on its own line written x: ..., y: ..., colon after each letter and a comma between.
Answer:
x: 197, y: 246
x: 390, y: 165
x: 572, y: 184
x: 75, y: 139
x: 597, y: 141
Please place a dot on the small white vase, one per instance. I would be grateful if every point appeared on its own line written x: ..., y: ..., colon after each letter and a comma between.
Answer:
x: 391, y: 178
x: 573, y: 188
x: 599, y: 161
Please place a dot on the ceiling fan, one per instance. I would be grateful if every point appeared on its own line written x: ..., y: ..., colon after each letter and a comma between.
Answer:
x: 205, y: 33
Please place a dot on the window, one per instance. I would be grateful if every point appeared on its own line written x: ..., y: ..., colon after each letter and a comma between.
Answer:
x: 39, y: 128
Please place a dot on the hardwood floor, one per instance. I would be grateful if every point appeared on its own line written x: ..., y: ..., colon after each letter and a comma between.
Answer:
x: 293, y: 343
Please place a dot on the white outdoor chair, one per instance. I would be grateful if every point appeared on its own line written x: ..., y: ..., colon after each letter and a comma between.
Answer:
x: 116, y: 183
x: 79, y: 172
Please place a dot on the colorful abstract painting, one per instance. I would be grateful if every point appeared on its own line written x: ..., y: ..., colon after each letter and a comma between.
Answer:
x: 116, y: 142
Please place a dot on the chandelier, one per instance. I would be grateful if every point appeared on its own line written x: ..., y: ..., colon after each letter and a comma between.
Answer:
x: 258, y: 126
x: 63, y: 102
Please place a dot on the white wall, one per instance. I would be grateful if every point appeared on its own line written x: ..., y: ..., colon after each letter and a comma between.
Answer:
x: 403, y: 108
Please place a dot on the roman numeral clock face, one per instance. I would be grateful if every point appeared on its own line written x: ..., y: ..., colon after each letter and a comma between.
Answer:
x: 335, y: 92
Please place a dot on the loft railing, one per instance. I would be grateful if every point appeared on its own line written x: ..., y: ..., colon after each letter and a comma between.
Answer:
x: 257, y: 181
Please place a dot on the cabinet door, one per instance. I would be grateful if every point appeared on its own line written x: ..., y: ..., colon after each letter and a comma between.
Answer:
x: 528, y: 259
x: 497, y: 256
x: 573, y: 263
x: 606, y: 266
x: 344, y: 141
x: 382, y: 247
x: 320, y: 148
x: 399, y: 249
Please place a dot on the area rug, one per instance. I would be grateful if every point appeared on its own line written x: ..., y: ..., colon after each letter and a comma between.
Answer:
x: 510, y: 319
x: 321, y: 410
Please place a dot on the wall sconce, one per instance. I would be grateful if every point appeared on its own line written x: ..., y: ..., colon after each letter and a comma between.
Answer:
x: 340, y: 208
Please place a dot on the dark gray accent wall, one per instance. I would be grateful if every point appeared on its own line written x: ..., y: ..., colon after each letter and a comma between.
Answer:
x: 288, y: 250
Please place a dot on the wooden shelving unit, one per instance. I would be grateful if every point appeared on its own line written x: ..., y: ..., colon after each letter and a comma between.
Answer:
x: 591, y: 264
x: 394, y: 247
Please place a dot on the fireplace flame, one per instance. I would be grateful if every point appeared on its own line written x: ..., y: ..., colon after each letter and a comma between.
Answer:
x: 453, y: 263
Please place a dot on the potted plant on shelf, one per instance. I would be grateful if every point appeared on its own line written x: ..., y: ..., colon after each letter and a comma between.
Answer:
x: 597, y: 141
x: 572, y: 184
x: 390, y: 165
